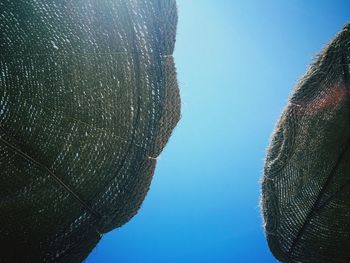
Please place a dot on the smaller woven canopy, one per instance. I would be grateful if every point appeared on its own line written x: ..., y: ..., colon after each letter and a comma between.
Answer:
x: 306, y: 184
x: 88, y: 99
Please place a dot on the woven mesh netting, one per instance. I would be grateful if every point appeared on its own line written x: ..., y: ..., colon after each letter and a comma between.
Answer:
x: 88, y: 99
x: 306, y: 185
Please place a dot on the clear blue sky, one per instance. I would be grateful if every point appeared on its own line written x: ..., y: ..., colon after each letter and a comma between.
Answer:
x: 237, y: 62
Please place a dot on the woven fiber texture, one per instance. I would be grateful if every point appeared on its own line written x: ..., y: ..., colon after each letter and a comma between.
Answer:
x: 306, y: 183
x: 88, y: 99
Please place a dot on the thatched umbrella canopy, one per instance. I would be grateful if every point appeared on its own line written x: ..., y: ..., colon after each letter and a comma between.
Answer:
x: 88, y: 99
x: 306, y: 185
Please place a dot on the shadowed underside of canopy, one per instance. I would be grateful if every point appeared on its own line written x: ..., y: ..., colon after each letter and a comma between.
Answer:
x: 88, y: 99
x: 306, y: 184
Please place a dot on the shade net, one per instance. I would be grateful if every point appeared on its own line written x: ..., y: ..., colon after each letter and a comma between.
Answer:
x: 306, y: 184
x: 88, y: 99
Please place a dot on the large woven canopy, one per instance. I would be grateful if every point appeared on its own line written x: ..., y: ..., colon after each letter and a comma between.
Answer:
x: 88, y: 99
x: 306, y: 186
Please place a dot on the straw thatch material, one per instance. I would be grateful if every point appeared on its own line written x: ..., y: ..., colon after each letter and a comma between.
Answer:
x: 88, y: 99
x: 306, y: 186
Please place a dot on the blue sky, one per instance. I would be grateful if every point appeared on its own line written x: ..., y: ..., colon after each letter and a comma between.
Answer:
x: 237, y: 63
